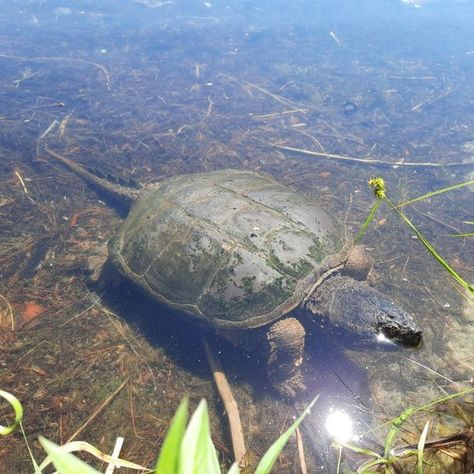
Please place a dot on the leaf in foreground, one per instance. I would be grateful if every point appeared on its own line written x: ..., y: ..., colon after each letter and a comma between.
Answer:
x: 168, y: 460
x: 421, y: 447
x: 197, y: 453
x: 15, y: 403
x: 65, y: 463
x: 269, y: 458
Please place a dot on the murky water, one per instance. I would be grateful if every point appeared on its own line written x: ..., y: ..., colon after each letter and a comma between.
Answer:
x: 144, y: 90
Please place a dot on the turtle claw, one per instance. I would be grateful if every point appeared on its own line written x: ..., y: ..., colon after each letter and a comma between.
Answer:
x: 290, y: 388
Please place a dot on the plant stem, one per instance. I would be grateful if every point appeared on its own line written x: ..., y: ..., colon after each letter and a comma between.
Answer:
x: 430, y: 248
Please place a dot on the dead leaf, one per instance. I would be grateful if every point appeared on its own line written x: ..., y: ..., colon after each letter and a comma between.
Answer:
x: 32, y: 310
x: 38, y: 370
x: 29, y: 313
x: 74, y: 219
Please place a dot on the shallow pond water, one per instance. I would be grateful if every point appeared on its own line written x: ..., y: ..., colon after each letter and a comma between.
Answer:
x: 147, y: 90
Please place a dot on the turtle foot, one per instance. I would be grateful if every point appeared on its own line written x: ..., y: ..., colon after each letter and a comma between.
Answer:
x: 286, y: 345
x: 290, y: 388
x: 95, y: 264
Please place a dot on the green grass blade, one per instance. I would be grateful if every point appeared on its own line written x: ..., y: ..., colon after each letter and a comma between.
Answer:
x: 65, y: 463
x: 168, y: 459
x: 434, y: 193
x: 378, y: 187
x: 266, y: 463
x: 412, y: 410
x: 30, y: 452
x: 396, y: 423
x: 365, y: 468
x: 197, y: 453
x: 466, y: 234
x: 421, y: 447
x: 212, y: 462
x: 431, y: 249
x: 339, y: 458
x: 365, y: 225
x: 364, y: 451
x: 6, y: 430
x: 17, y: 407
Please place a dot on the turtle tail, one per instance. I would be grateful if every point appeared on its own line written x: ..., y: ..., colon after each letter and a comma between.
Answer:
x: 121, y: 195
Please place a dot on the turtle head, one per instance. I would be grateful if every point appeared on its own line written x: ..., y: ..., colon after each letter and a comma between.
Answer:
x: 354, y: 306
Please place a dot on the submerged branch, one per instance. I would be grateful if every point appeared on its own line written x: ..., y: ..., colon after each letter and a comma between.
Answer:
x: 370, y: 161
x: 230, y: 405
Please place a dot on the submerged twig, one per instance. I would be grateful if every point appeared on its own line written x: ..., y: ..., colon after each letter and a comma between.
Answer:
x: 370, y: 161
x: 25, y: 77
x: 21, y: 181
x: 434, y: 372
x: 299, y: 443
x: 440, y: 443
x: 275, y: 97
x: 230, y: 405
x: 431, y: 100
x: 98, y: 411
x: 62, y: 60
x: 49, y: 129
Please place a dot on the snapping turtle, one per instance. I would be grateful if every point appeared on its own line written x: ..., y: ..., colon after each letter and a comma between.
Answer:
x: 238, y: 252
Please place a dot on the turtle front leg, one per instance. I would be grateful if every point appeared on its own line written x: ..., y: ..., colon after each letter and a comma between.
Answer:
x: 285, y: 355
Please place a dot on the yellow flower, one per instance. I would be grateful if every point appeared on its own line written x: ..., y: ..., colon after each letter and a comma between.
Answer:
x: 378, y: 186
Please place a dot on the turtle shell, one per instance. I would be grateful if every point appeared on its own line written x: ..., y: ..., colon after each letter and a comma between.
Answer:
x: 228, y: 248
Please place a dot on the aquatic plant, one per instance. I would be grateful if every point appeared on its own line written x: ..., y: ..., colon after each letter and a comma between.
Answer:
x: 187, y: 448
x: 15, y: 403
x: 383, y: 462
x: 380, y: 192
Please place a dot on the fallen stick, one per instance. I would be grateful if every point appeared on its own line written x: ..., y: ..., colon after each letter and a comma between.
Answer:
x: 275, y: 97
x: 431, y: 100
x: 18, y: 175
x: 370, y: 161
x: 299, y: 443
x: 97, y: 412
x: 62, y: 60
x: 230, y: 405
